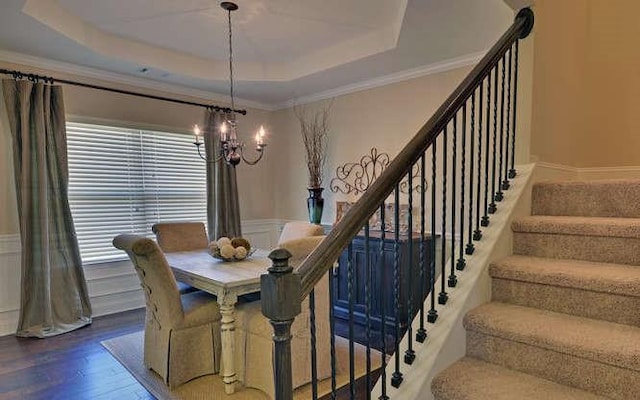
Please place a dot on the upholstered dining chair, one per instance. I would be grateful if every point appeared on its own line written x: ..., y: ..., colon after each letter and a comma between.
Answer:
x: 182, y: 332
x: 181, y: 236
x: 298, y: 229
x: 254, y: 342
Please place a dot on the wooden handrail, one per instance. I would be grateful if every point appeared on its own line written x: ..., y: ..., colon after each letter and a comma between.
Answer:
x: 323, y: 257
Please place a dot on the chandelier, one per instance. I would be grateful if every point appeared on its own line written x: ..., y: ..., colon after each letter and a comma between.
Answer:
x: 231, y: 149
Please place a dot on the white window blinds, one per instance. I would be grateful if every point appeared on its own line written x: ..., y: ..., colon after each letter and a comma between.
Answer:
x: 125, y: 180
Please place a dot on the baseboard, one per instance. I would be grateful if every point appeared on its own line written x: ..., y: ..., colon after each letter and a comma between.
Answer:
x: 549, y: 171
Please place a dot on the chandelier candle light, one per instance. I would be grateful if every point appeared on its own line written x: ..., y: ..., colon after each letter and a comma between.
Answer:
x: 231, y: 149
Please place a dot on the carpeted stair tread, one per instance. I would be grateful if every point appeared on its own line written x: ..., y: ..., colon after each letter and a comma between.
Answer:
x: 578, y: 226
x: 473, y: 379
x: 619, y: 279
x: 601, y: 198
x: 604, y: 342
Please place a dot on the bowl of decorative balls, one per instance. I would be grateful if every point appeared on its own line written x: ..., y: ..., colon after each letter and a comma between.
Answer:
x: 227, y: 249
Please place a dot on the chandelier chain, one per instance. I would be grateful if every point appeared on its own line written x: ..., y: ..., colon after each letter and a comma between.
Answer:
x: 231, y: 67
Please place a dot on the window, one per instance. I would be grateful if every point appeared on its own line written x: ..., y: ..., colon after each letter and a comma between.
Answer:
x: 125, y: 180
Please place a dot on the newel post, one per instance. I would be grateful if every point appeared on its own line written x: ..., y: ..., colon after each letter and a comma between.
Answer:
x: 280, y: 298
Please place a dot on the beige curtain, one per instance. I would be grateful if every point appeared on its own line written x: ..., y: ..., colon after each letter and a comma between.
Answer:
x: 223, y: 209
x: 54, y: 297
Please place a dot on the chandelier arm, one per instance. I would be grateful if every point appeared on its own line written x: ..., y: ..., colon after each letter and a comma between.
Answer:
x: 210, y: 161
x: 260, y: 151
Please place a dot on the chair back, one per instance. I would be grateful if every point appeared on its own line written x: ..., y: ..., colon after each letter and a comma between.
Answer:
x: 299, y: 229
x: 181, y: 236
x: 159, y: 285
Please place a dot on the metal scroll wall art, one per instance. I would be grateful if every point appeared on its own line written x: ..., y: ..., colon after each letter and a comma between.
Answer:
x: 355, y: 178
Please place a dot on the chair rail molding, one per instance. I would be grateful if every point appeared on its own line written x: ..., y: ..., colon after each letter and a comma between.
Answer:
x: 552, y: 171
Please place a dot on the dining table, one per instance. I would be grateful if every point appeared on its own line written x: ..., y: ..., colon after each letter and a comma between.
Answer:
x: 227, y: 280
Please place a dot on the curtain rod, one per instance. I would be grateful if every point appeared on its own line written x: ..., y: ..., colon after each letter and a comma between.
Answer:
x: 45, y: 79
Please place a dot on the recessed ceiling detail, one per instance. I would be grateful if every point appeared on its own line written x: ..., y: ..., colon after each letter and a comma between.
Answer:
x: 284, y: 50
x: 275, y: 40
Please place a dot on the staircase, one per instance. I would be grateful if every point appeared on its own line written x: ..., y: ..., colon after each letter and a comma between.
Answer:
x: 564, y: 321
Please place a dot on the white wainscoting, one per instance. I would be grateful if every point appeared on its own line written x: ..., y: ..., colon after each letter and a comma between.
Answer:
x: 113, y: 287
x: 9, y: 283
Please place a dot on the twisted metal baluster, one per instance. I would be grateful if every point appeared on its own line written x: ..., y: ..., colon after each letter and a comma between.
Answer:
x: 367, y: 310
x: 350, y: 286
x: 505, y: 183
x: 432, y: 316
x: 332, y: 339
x: 453, y: 280
x: 410, y: 354
x: 396, y: 378
x: 314, y: 358
x: 485, y: 217
x: 421, y: 334
x: 477, y: 234
x: 499, y: 194
x: 492, y: 206
x: 470, y: 247
x: 443, y: 296
x: 512, y: 171
x: 461, y: 262
x: 383, y: 310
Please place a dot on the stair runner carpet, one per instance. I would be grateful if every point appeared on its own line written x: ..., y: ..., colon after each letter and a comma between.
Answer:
x: 564, y: 320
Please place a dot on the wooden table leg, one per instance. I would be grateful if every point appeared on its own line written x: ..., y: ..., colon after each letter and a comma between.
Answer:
x: 227, y: 367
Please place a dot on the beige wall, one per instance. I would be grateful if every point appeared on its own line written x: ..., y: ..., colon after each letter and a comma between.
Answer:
x: 586, y: 83
x: 90, y: 104
x: 384, y: 117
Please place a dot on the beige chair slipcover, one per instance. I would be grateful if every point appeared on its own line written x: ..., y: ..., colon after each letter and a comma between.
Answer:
x: 181, y: 236
x: 254, y: 343
x: 182, y: 333
x: 298, y: 229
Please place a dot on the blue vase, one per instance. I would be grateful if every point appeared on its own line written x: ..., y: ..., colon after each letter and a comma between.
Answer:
x: 315, y: 204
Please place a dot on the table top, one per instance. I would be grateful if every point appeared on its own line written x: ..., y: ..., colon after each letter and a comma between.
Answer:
x: 200, y: 270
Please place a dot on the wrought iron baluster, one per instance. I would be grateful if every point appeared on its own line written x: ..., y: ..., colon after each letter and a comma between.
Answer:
x: 432, y: 316
x: 396, y: 378
x: 492, y: 206
x: 409, y: 354
x: 470, y: 246
x: 314, y: 358
x: 443, y: 296
x: 332, y: 338
x: 461, y: 262
x: 383, y: 311
x: 485, y: 217
x: 477, y: 234
x: 350, y: 299
x: 367, y: 311
x: 505, y: 183
x: 453, y: 280
x: 512, y: 171
x: 499, y: 194
x: 421, y: 334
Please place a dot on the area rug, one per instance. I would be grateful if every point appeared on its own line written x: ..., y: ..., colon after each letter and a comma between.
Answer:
x: 128, y: 350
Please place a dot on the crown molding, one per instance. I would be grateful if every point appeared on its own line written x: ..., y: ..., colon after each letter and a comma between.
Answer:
x: 435, y: 68
x: 95, y: 73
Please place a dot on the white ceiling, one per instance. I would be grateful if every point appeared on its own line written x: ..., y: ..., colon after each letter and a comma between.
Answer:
x: 284, y: 50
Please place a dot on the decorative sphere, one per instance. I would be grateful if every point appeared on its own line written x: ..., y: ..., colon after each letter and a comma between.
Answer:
x: 241, y: 253
x: 224, y: 241
x: 227, y: 251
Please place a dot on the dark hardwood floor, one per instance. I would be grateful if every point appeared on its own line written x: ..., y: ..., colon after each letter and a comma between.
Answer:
x: 76, y: 366
x: 70, y: 366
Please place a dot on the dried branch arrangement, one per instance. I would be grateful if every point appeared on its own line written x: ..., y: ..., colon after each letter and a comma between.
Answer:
x: 314, y: 127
